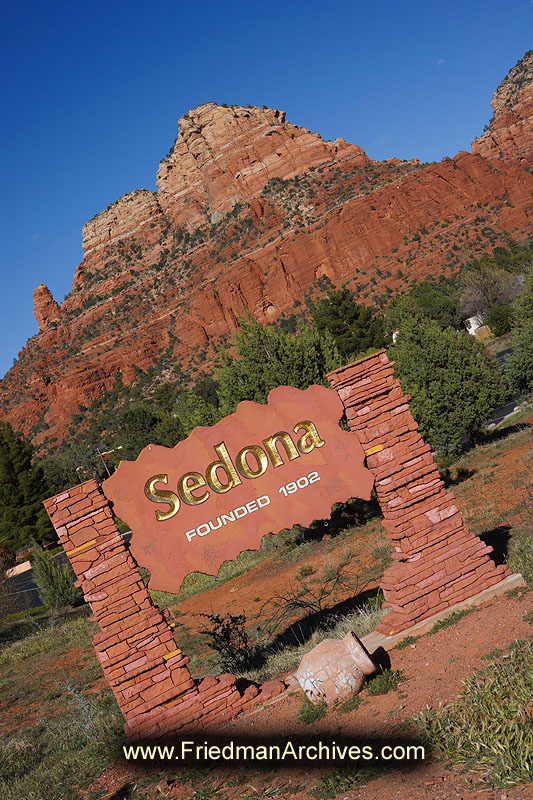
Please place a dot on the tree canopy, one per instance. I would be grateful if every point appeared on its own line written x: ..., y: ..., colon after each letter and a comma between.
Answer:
x: 354, y: 327
x: 266, y: 358
x: 519, y: 365
x: 454, y: 385
x: 426, y: 301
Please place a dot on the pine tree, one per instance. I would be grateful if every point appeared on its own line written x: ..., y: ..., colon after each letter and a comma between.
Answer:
x: 22, y: 490
x: 266, y: 358
x: 54, y: 580
x: 355, y: 328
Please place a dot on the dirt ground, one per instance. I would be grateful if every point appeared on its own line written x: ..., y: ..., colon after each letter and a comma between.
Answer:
x: 432, y: 670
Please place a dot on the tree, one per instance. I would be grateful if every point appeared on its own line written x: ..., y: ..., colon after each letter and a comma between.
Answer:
x: 7, y: 589
x: 193, y: 408
x: 454, y: 385
x: 487, y: 286
x: 500, y: 319
x: 425, y: 301
x: 266, y: 358
x: 523, y: 308
x: 22, y: 490
x: 519, y: 365
x: 355, y: 328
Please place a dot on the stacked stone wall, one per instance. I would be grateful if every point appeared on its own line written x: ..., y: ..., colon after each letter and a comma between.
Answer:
x: 438, y: 561
x: 135, y: 646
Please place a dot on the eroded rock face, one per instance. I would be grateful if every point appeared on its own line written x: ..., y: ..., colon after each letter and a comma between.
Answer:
x: 509, y: 136
x: 137, y: 214
x: 169, y: 273
x: 226, y: 155
x: 335, y: 669
x: 45, y: 308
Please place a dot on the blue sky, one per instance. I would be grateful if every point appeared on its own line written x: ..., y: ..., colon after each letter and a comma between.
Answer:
x: 92, y: 92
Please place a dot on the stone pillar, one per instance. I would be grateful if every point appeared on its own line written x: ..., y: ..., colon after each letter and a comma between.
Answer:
x: 438, y: 561
x: 146, y: 671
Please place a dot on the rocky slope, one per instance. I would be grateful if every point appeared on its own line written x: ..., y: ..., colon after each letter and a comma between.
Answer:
x: 254, y: 212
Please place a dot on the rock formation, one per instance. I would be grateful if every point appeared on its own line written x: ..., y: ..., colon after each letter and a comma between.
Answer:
x: 225, y: 155
x: 509, y: 135
x: 45, y: 308
x: 254, y: 212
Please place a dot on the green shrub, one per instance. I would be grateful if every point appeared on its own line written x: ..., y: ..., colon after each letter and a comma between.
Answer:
x: 500, y: 319
x: 451, y: 619
x: 54, y: 580
x: 228, y: 636
x: 409, y: 640
x: 352, y: 704
x: 311, y: 712
x: 385, y: 681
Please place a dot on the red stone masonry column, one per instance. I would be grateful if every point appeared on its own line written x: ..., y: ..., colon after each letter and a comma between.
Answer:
x: 135, y: 646
x: 439, y: 562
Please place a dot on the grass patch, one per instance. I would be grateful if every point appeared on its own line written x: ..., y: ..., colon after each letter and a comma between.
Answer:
x: 16, y: 616
x: 163, y: 599
x: 197, y: 582
x: 520, y: 555
x: 488, y: 729
x: 58, y: 734
x: 407, y: 642
x: 385, y: 682
x: 59, y: 635
x: 352, y: 704
x: 451, y: 619
x: 311, y: 712
x: 342, y: 780
x: 49, y: 757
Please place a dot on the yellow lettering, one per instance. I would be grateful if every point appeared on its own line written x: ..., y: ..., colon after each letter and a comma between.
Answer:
x: 243, y: 466
x: 273, y: 452
x: 226, y: 464
x: 185, y: 488
x: 161, y: 496
x: 312, y: 433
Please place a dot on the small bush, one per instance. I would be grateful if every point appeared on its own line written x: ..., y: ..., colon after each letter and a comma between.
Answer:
x: 311, y: 712
x: 385, y: 681
x: 54, y: 580
x: 409, y: 640
x: 352, y: 704
x: 228, y: 636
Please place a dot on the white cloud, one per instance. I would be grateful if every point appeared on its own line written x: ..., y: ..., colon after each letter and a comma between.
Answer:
x: 440, y: 62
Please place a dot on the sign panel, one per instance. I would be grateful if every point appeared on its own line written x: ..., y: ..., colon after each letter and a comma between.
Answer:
x: 217, y: 493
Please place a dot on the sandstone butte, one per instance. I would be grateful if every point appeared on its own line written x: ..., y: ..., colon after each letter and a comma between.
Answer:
x: 252, y: 212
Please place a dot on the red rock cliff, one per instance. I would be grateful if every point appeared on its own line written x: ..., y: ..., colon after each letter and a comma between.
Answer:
x: 251, y: 212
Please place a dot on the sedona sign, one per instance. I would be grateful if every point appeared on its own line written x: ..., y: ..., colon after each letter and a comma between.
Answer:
x: 257, y: 471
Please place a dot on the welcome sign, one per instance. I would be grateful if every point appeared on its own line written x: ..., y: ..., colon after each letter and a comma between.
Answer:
x: 257, y: 471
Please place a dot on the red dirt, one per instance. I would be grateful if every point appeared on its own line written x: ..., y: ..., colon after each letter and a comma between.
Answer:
x: 432, y: 668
